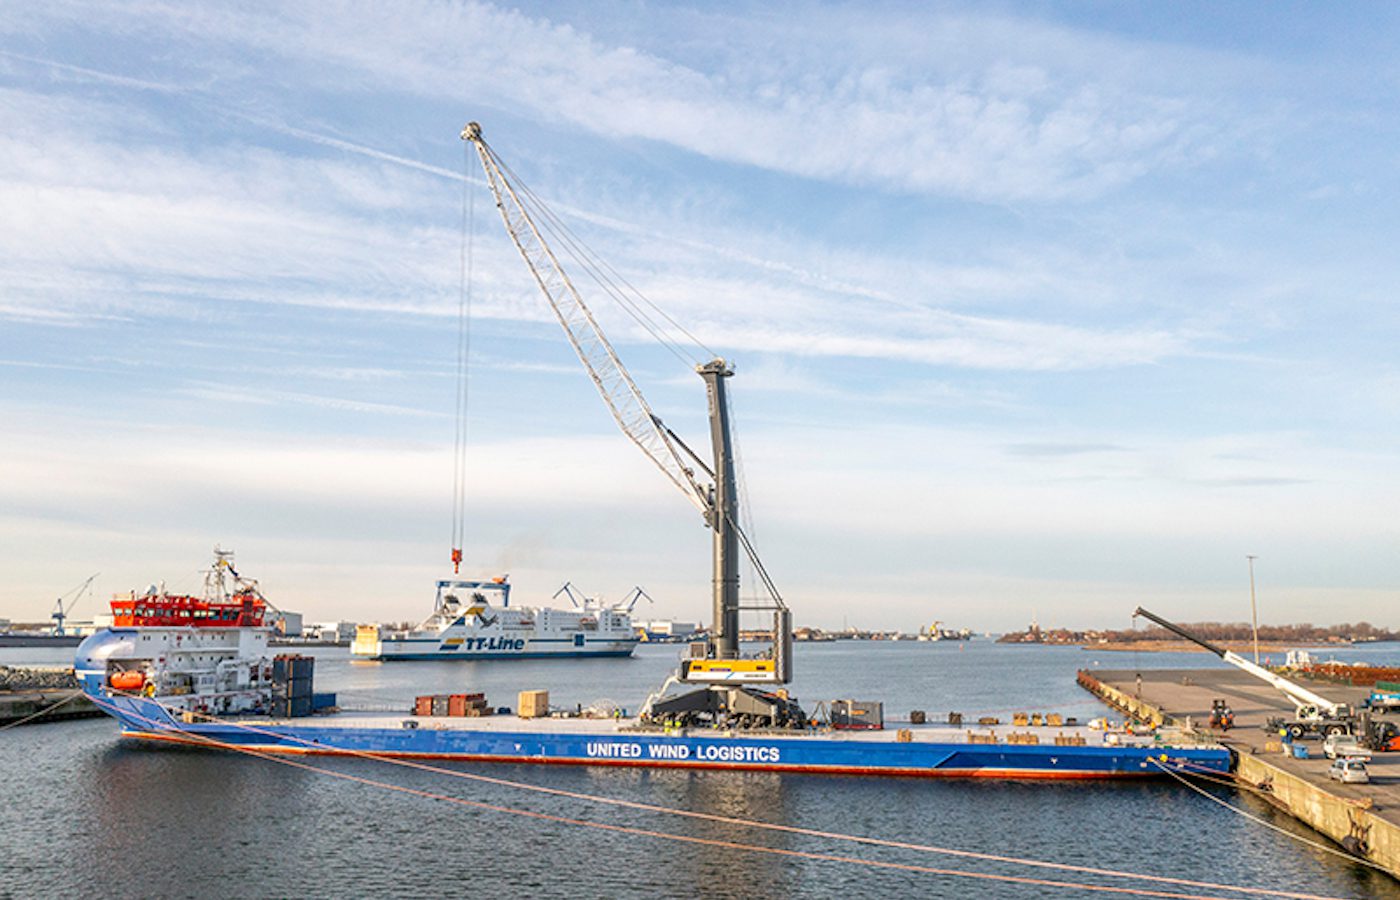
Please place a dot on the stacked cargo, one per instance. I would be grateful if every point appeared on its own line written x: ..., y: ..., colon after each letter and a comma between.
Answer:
x: 459, y: 705
x: 291, y: 685
x: 533, y: 704
x: 467, y: 705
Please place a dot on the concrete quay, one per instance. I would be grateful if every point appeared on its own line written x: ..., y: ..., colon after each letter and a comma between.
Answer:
x: 16, y: 706
x: 1363, y: 818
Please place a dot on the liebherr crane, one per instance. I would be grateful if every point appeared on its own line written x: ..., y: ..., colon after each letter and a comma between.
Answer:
x: 728, y: 697
x: 1313, y: 712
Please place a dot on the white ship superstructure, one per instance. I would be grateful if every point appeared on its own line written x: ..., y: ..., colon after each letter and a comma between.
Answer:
x: 474, y: 620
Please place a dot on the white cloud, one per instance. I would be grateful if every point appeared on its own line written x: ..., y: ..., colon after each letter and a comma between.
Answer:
x: 846, y: 110
x: 235, y: 224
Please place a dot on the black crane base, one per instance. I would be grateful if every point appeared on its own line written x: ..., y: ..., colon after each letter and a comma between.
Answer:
x: 738, y: 708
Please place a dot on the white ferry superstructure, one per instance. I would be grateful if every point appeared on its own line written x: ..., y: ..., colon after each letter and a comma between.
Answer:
x: 474, y: 620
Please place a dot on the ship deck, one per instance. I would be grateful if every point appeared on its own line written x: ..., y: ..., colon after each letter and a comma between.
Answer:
x: 629, y: 727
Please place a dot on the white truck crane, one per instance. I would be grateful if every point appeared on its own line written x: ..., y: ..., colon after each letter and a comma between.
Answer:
x: 1313, y: 713
x: 730, y: 695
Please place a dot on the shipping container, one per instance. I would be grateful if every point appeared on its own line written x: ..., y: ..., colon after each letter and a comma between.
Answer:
x: 287, y: 667
x: 423, y: 706
x: 855, y: 714
x: 439, y: 704
x: 291, y: 707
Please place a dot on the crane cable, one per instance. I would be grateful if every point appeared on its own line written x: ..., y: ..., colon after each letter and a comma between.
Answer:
x: 464, y: 303
x: 598, y: 268
x: 312, y: 747
x: 603, y: 274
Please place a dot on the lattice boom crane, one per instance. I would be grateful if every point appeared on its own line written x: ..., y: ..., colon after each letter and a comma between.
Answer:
x: 717, y: 502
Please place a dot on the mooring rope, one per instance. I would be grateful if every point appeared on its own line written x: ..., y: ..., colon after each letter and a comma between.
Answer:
x: 43, y: 712
x: 1360, y: 860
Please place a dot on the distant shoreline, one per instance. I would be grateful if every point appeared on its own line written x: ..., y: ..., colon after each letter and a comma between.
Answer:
x: 1187, y: 646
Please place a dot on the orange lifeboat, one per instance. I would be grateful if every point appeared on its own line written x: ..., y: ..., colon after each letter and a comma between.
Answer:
x: 127, y: 681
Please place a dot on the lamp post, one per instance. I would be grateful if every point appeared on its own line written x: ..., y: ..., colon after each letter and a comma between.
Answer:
x: 1253, y: 608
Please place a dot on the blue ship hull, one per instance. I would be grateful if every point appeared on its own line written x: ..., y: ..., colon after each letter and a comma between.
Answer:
x: 825, y: 752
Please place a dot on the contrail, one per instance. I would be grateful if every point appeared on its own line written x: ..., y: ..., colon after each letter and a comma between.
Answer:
x: 339, y: 144
x: 94, y: 74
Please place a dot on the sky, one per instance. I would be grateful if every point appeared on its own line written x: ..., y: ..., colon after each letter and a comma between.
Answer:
x: 1036, y: 310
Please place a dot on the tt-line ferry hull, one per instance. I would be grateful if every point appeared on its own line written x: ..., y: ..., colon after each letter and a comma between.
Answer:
x: 473, y: 620
x: 922, y: 752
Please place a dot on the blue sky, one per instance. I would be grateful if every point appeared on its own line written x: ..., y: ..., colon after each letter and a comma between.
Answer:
x: 1035, y: 308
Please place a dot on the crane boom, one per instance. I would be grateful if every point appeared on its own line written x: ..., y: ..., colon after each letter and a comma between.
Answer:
x: 718, y: 502
x: 1301, y: 696
x: 624, y: 400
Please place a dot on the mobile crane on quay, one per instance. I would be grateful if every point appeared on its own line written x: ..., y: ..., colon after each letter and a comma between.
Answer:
x: 1313, y: 713
x: 728, y: 691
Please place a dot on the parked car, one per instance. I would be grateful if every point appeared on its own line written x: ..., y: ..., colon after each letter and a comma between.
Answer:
x: 1337, y: 746
x: 1349, y: 771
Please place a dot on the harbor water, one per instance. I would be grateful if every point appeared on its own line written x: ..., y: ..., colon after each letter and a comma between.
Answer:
x: 88, y: 814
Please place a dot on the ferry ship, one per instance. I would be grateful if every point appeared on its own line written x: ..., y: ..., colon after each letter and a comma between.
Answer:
x: 474, y: 620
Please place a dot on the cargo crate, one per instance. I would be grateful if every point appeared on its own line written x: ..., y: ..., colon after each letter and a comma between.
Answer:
x: 857, y: 714
x: 533, y: 704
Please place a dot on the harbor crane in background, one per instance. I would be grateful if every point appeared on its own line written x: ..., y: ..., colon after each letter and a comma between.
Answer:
x: 716, y: 663
x: 62, y: 610
x: 1313, y: 713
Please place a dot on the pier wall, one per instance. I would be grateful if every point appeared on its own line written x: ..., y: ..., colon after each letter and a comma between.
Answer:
x: 1349, y: 822
x: 1361, y: 818
x: 18, y: 705
x: 1123, y: 702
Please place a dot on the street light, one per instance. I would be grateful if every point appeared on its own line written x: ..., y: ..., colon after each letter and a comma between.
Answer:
x: 1253, y: 609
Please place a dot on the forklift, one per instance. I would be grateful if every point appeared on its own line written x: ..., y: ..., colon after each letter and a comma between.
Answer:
x: 1221, y: 715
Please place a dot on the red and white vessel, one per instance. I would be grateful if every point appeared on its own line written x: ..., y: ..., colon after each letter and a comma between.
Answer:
x: 225, y: 604
x: 206, y: 654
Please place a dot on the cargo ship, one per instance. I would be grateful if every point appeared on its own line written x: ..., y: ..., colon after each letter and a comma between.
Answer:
x: 474, y: 620
x: 203, y: 675
x: 170, y: 675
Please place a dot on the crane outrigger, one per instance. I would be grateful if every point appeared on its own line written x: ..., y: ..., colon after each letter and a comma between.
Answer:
x: 728, y: 695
